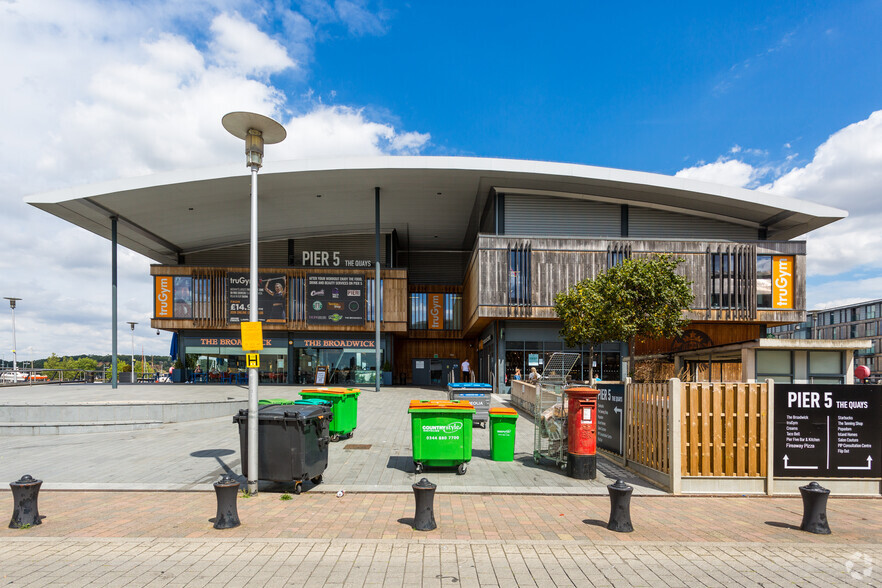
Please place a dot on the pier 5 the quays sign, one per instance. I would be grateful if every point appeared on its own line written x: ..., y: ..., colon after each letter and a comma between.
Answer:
x: 828, y: 431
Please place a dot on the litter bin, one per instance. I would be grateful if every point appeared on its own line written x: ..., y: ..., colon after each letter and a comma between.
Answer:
x: 441, y: 433
x: 292, y: 442
x: 477, y: 394
x: 502, y: 433
x: 344, y: 406
x: 314, y: 402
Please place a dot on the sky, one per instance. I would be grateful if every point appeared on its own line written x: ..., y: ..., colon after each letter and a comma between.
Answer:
x: 780, y: 97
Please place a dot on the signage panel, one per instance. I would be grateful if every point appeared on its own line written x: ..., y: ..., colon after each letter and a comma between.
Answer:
x: 610, y: 414
x: 335, y: 300
x: 163, y: 296
x: 252, y: 336
x: 827, y: 431
x: 272, y: 297
x: 782, y: 281
x: 435, y: 311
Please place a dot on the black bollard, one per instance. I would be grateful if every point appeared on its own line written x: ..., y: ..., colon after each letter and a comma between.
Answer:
x: 424, y: 518
x: 227, y: 490
x: 24, y: 501
x: 814, y: 509
x: 620, y: 507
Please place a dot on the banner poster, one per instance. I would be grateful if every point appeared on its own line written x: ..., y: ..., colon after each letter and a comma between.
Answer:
x: 827, y: 431
x: 272, y: 297
x: 436, y: 311
x: 335, y: 300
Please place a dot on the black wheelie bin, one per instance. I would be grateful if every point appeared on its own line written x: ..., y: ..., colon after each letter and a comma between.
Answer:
x: 292, y: 442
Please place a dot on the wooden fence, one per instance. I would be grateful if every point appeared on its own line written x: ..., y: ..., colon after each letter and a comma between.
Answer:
x: 648, y: 423
x: 724, y: 429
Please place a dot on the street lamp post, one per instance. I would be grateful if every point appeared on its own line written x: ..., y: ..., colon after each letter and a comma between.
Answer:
x: 12, y: 302
x: 256, y: 130
x: 132, y: 324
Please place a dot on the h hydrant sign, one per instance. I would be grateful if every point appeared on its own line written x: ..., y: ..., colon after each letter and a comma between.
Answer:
x: 828, y: 431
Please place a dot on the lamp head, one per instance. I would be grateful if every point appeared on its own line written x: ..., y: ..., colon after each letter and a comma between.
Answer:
x: 257, y: 130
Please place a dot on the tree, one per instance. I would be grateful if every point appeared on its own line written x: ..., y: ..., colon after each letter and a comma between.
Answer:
x: 581, y: 309
x: 642, y: 297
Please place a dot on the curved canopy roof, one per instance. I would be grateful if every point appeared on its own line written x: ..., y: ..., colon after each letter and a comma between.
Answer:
x: 435, y: 201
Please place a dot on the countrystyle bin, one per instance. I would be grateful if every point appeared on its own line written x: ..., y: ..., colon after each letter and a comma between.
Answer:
x: 292, y: 442
x: 344, y: 405
x: 441, y: 433
x: 477, y: 394
x: 502, y: 433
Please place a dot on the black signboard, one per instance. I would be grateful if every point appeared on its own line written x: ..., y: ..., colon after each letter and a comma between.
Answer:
x: 828, y: 431
x: 335, y: 300
x: 272, y: 298
x: 610, y: 416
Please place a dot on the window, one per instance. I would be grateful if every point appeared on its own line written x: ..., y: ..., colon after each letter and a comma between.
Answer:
x: 370, y: 292
x: 519, y: 275
x: 616, y: 254
x: 873, y: 311
x: 419, y: 320
x: 764, y: 281
x: 825, y: 367
x: 871, y: 329
x: 774, y: 364
x: 453, y: 312
x: 183, y: 297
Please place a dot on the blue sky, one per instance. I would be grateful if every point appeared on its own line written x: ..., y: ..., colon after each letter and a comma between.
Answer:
x: 784, y: 97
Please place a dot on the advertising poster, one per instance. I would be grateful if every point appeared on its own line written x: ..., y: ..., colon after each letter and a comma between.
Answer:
x: 335, y: 300
x: 272, y: 298
x: 436, y: 311
x: 827, y: 431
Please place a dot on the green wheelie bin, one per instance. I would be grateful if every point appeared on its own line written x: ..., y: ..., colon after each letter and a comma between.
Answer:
x: 441, y: 433
x: 502, y: 433
x: 282, y: 401
x: 344, y: 406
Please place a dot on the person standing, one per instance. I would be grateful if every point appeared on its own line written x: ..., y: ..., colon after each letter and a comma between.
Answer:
x: 466, y: 369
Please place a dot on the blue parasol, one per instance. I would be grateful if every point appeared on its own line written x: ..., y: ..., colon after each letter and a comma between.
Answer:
x: 173, y: 352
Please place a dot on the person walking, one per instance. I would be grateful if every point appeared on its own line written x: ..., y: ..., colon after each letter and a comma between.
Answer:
x: 466, y: 369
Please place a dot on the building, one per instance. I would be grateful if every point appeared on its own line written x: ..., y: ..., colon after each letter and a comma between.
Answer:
x: 854, y: 321
x: 472, y: 253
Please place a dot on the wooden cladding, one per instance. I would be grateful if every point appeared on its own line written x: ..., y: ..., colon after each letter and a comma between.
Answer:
x: 731, y: 281
x: 210, y: 301
x: 648, y: 422
x: 724, y: 429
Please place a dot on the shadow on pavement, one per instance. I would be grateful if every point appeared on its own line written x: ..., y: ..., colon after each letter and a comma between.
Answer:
x: 595, y: 522
x: 217, y: 454
x: 403, y: 463
x: 783, y: 525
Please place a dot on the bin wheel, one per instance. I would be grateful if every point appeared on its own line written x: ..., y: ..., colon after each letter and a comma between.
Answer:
x: 483, y: 424
x: 563, y: 465
x: 417, y: 467
x: 335, y: 437
x: 298, y: 488
x: 461, y: 469
x: 317, y: 480
x: 536, y: 457
x: 350, y: 435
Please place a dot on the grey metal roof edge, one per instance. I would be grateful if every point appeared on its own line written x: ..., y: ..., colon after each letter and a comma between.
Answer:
x: 475, y: 164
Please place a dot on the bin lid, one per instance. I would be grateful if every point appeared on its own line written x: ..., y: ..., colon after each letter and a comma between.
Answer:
x: 287, y: 413
x: 337, y: 391
x: 460, y: 385
x: 275, y: 401
x: 502, y: 411
x: 462, y: 405
x: 319, y: 401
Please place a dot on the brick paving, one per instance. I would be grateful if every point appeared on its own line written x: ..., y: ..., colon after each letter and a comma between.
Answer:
x: 167, y: 539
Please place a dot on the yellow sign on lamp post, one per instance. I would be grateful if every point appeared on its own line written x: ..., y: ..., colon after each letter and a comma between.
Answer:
x: 252, y: 360
x: 252, y: 336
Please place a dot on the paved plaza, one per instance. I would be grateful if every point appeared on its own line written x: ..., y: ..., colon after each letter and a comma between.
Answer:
x: 136, y: 508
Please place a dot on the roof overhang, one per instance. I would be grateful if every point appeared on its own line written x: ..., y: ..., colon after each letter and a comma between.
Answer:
x: 433, y: 202
x: 733, y: 351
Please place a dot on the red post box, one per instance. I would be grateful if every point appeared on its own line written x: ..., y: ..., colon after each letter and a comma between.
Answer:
x: 582, y: 433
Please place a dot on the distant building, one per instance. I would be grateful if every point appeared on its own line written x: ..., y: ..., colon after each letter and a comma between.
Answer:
x: 854, y: 321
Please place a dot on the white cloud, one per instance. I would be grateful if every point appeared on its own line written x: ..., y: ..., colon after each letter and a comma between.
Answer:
x: 845, y: 172
x: 239, y: 44
x: 729, y: 172
x: 101, y: 91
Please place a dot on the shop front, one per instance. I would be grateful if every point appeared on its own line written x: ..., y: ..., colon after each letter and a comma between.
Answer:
x: 344, y: 361
x: 219, y: 357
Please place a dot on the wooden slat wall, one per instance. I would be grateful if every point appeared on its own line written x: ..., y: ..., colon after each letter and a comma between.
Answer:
x: 648, y: 419
x: 395, y: 299
x: 558, y: 263
x: 408, y: 349
x: 724, y: 429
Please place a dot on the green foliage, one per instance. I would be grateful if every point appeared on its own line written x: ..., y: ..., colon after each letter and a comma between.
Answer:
x: 74, y: 369
x: 286, y: 496
x: 642, y: 297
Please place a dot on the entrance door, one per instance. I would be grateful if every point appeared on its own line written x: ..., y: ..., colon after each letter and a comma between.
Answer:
x: 421, y: 372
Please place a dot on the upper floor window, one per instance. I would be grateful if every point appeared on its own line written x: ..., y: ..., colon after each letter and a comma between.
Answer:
x: 430, y: 311
x: 519, y: 274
